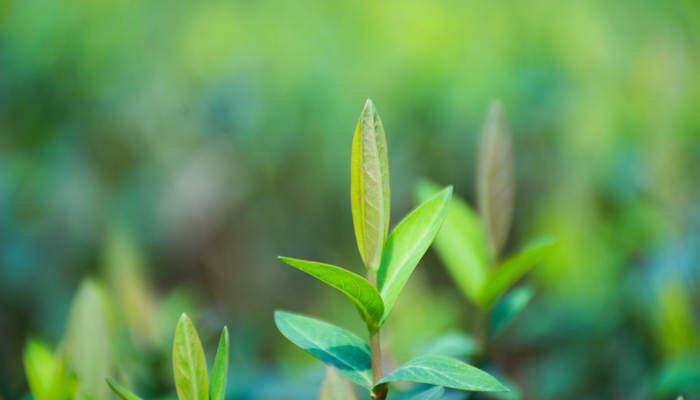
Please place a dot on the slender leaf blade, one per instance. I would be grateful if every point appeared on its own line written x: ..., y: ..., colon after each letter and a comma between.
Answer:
x: 336, y: 387
x: 505, y: 275
x: 444, y: 371
x: 189, y: 363
x: 407, y: 244
x: 508, y: 309
x: 433, y: 393
x: 365, y: 296
x: 369, y: 186
x: 220, y: 369
x: 331, y: 344
x: 495, y: 182
x: 461, y: 243
x: 120, y: 391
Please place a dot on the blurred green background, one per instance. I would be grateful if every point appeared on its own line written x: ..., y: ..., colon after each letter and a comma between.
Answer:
x: 171, y: 149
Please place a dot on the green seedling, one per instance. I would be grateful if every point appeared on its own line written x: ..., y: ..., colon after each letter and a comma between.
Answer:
x: 190, y: 367
x: 389, y: 260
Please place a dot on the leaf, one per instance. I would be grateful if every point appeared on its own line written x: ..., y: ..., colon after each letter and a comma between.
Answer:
x: 454, y: 344
x: 431, y: 394
x: 501, y: 278
x: 220, y: 369
x: 494, y: 179
x: 121, y: 392
x: 461, y: 243
x: 336, y: 387
x: 86, y: 344
x: 369, y: 186
x: 444, y: 371
x: 189, y: 364
x: 407, y: 244
x: 331, y: 344
x: 46, y: 373
x: 365, y: 297
x: 508, y: 309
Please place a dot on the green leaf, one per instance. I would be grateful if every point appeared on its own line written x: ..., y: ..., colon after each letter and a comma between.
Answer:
x: 431, y: 394
x: 444, y: 371
x: 46, y: 373
x: 508, y: 309
x: 494, y: 179
x: 189, y: 364
x: 505, y: 275
x: 365, y: 297
x: 120, y: 391
x: 336, y: 387
x: 407, y: 244
x: 220, y: 369
x: 331, y: 344
x: 454, y: 344
x: 461, y: 243
x: 369, y: 186
x: 87, y: 341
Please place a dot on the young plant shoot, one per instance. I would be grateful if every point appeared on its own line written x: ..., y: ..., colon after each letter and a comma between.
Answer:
x: 190, y: 367
x: 389, y: 260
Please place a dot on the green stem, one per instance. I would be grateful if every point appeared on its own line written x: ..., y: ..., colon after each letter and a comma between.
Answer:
x: 376, y: 353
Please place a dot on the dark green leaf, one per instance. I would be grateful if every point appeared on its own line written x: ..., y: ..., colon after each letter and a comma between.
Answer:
x: 444, y: 371
x: 508, y: 309
x: 220, y: 369
x: 121, y: 392
x: 407, y: 244
x: 495, y: 183
x: 365, y: 297
x: 189, y: 363
x: 501, y: 278
x: 336, y: 387
x: 461, y: 243
x: 331, y: 344
x: 369, y: 186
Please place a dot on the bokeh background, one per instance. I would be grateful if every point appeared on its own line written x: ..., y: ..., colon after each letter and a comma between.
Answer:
x: 170, y: 150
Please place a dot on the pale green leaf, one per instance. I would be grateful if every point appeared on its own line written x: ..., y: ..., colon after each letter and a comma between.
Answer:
x: 461, y: 243
x: 46, y: 373
x: 506, y: 274
x: 189, y: 363
x: 495, y: 182
x: 331, y: 344
x: 336, y: 387
x: 120, y: 391
x: 369, y: 186
x: 87, y: 341
x: 365, y: 296
x: 453, y: 344
x: 220, y: 370
x: 407, y: 244
x: 444, y: 371
x: 434, y: 393
x: 508, y: 309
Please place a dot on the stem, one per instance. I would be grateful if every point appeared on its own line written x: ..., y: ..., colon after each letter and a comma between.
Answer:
x: 376, y: 353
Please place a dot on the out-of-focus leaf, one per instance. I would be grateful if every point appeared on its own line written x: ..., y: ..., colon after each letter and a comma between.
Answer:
x: 407, y: 244
x: 461, y: 243
x: 513, y: 392
x: 508, y: 309
x: 365, y: 296
x: 495, y: 183
x: 87, y: 341
x: 444, y: 371
x: 454, y: 344
x: 506, y: 274
x: 331, y: 344
x: 681, y: 375
x: 189, y: 363
x: 220, y: 369
x: 369, y: 186
x: 431, y: 394
x: 674, y: 318
x: 336, y: 387
x: 46, y: 373
x: 120, y: 391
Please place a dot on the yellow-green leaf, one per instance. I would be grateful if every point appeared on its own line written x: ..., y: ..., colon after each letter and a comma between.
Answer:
x: 120, y: 391
x: 46, y: 373
x: 189, y: 364
x: 365, y: 297
x: 220, y: 370
x: 369, y: 186
x: 495, y: 183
